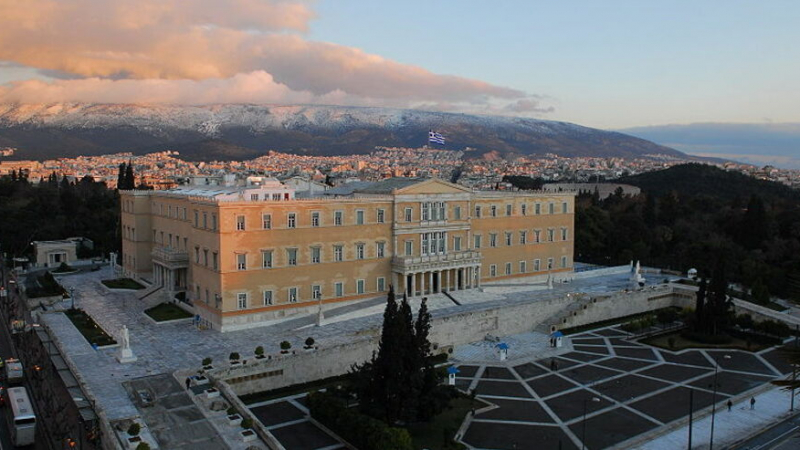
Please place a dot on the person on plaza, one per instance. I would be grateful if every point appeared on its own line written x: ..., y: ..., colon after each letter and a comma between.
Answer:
x: 752, y: 403
x: 730, y: 405
x: 188, y: 382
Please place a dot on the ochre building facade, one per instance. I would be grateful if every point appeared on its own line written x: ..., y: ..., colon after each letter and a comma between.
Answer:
x: 250, y: 255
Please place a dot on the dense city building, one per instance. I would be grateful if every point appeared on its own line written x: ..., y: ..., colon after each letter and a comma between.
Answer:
x: 250, y: 253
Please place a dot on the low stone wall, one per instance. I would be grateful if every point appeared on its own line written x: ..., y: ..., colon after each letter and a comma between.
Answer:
x: 447, y: 329
x: 627, y: 304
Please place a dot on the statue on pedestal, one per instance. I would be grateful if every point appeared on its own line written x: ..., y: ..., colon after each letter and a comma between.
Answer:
x: 125, y: 353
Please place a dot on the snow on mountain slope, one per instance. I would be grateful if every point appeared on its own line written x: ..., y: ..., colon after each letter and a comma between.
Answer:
x: 294, y: 128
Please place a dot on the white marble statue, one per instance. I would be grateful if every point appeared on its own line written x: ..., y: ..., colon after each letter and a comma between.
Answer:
x: 125, y: 353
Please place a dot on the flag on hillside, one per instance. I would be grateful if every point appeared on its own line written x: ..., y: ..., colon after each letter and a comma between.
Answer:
x: 435, y: 138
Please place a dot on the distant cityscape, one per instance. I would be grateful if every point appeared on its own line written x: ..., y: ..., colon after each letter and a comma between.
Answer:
x: 163, y: 170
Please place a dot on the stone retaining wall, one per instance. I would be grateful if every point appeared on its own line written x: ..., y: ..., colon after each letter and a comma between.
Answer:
x: 446, y: 331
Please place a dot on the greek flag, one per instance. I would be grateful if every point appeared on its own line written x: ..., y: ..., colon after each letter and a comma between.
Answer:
x: 435, y: 138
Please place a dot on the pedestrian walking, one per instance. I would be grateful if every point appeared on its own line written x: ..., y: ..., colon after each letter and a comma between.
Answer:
x: 752, y: 403
x: 188, y: 382
x: 730, y: 405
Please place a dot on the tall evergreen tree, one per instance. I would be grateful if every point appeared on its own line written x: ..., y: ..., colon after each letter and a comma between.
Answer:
x: 130, y: 179
x: 719, y: 304
x: 429, y: 404
x: 400, y: 383
x: 754, y: 228
x: 700, y: 307
x: 121, y: 176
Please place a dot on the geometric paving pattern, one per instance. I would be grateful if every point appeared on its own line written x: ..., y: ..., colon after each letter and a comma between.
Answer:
x: 621, y: 388
x: 287, y: 419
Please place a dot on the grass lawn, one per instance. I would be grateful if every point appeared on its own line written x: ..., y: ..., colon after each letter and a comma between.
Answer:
x: 167, y: 311
x: 430, y: 435
x: 122, y: 283
x: 681, y: 343
x: 88, y: 328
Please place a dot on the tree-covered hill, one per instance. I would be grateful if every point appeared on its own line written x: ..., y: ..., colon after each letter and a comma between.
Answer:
x: 689, y: 215
x: 56, y: 208
x: 703, y: 179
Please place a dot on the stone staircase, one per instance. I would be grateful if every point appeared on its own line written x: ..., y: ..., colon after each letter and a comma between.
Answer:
x: 566, y: 316
x: 153, y: 295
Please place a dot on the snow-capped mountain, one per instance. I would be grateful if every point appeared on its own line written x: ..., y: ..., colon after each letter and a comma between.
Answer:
x: 247, y: 131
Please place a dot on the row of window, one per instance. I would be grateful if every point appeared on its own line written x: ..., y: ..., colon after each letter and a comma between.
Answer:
x: 129, y: 232
x: 175, y: 212
x: 523, y: 266
x: 268, y: 259
x: 292, y: 220
x: 431, y: 211
x: 170, y: 240
x: 431, y: 244
x: 509, y: 209
x: 293, y: 294
x: 275, y: 196
x: 523, y: 237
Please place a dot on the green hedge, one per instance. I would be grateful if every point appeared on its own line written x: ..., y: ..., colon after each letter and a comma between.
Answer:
x: 362, y: 431
x: 719, y: 339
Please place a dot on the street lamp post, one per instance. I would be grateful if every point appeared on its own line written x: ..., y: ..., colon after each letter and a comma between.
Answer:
x: 794, y: 368
x: 691, y: 416
x: 714, y: 404
x: 583, y: 432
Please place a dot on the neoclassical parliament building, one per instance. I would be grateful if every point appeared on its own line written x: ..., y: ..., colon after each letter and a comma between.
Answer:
x: 248, y: 254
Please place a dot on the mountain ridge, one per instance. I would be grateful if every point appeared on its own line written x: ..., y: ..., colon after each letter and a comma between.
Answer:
x: 246, y: 131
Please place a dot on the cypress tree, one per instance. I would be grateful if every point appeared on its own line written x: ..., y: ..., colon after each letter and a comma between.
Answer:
x: 410, y: 382
x: 699, y: 309
x: 719, y: 303
x: 121, y: 176
x: 130, y: 180
x: 427, y: 405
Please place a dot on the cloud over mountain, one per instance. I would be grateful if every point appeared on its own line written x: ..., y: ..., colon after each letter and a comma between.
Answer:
x: 206, y: 51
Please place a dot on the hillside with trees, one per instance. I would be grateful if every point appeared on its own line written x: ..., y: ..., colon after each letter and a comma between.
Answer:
x: 691, y: 215
x: 56, y: 208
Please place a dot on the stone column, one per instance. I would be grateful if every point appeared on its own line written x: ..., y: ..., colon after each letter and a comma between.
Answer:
x: 430, y: 282
x: 413, y: 285
x: 469, y: 278
x: 394, y: 283
x: 477, y: 276
x: 447, y: 279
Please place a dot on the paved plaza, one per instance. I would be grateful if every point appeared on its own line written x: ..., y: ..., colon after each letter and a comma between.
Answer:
x: 288, y: 420
x: 168, y: 347
x: 604, y: 392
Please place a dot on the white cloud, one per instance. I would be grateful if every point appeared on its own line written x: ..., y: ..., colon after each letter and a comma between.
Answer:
x: 203, y: 51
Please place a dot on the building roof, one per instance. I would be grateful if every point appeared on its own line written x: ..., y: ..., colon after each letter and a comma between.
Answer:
x: 389, y: 185
x: 348, y: 188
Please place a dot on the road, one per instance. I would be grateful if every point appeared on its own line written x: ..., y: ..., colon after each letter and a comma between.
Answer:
x: 10, y: 305
x: 783, y: 436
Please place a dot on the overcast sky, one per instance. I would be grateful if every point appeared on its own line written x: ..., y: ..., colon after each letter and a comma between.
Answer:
x: 605, y: 64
